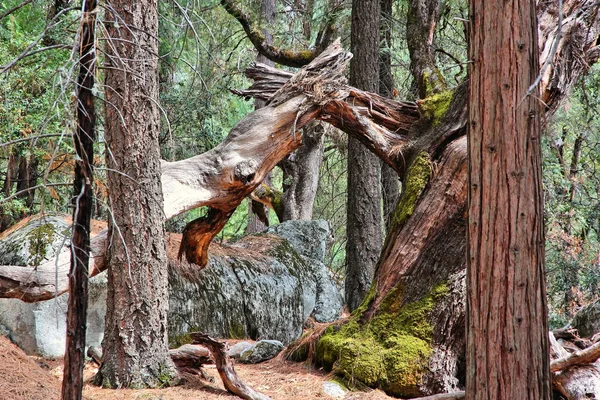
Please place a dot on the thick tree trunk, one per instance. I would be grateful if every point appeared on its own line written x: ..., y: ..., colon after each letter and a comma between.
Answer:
x: 135, y: 342
x: 363, y: 223
x: 507, y: 317
x: 408, y: 335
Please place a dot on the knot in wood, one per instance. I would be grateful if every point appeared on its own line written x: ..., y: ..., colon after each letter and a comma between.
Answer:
x: 245, y: 171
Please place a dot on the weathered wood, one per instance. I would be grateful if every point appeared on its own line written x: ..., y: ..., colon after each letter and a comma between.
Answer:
x: 444, y: 396
x: 95, y: 353
x: 188, y: 358
x: 581, y: 357
x: 225, y: 367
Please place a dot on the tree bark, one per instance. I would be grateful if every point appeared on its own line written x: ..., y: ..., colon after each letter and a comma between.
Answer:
x: 135, y: 342
x: 72, y: 384
x: 363, y: 222
x: 258, y: 222
x: 390, y: 184
x: 507, y: 317
x: 424, y: 318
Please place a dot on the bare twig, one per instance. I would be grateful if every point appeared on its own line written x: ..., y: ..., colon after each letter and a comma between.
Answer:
x: 15, y: 8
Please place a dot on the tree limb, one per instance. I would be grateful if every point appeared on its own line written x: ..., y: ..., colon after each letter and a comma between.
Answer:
x: 581, y: 357
x: 289, y: 58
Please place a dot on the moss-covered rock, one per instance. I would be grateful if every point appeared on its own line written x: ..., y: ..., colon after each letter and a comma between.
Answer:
x: 390, y: 351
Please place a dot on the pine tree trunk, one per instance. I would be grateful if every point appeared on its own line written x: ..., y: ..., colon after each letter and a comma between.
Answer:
x: 363, y: 228
x: 135, y: 342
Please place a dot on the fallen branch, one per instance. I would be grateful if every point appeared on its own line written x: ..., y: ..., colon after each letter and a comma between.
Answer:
x: 581, y: 357
x: 224, y: 365
x: 444, y: 396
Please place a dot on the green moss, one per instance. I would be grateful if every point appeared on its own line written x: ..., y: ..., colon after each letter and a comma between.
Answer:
x: 417, y: 177
x: 39, y: 238
x: 303, y: 56
x: 434, y: 86
x: 237, y: 330
x: 435, y: 106
x: 391, y: 351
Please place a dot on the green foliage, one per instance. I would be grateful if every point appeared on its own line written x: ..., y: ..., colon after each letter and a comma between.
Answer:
x: 572, y: 211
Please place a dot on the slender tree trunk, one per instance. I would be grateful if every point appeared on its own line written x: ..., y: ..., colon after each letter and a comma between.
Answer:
x: 364, y: 236
x: 135, y: 342
x: 421, y: 22
x: 390, y: 183
x: 301, y: 174
x: 258, y: 214
x: 72, y: 384
x: 507, y: 328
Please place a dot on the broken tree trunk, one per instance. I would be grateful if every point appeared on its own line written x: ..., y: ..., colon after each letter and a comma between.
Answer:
x: 412, y: 322
x: 222, y: 177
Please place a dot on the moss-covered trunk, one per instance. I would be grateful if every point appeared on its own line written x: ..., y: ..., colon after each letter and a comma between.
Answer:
x: 407, y: 337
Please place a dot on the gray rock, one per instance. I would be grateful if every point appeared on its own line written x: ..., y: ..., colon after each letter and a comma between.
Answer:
x: 259, y: 288
x: 40, y: 328
x: 237, y: 349
x: 261, y: 351
x: 308, y: 238
x: 333, y: 389
x: 587, y: 320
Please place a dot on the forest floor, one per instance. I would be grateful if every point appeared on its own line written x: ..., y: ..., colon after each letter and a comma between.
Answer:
x: 32, y: 378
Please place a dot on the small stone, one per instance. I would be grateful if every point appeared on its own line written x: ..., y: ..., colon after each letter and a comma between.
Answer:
x: 237, y: 349
x: 333, y: 389
x: 262, y: 351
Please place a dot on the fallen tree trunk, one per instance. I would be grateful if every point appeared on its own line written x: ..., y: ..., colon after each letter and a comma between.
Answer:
x: 188, y: 359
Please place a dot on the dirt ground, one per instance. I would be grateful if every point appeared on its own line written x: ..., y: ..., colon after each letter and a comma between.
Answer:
x: 32, y: 378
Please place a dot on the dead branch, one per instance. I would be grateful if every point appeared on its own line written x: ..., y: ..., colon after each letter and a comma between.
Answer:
x: 444, y: 396
x: 225, y: 367
x: 581, y: 357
